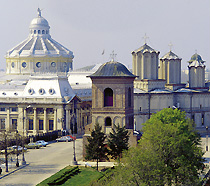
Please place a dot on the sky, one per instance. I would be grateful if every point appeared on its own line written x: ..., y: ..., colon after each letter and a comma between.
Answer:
x: 89, y: 27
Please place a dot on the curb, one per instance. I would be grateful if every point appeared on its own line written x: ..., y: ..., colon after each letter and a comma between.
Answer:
x: 18, y: 168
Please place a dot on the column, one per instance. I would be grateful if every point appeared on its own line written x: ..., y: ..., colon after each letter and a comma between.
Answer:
x: 67, y: 119
x: 55, y: 120
x: 7, y: 127
x: 24, y: 119
x: 45, y: 120
x: 35, y: 122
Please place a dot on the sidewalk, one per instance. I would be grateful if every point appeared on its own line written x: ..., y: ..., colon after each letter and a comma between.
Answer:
x: 100, y: 164
x: 11, y: 169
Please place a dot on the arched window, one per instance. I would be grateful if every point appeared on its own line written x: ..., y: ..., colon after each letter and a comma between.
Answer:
x: 43, y: 32
x: 129, y: 97
x: 47, y: 32
x: 108, y: 122
x: 39, y: 31
x: 108, y: 97
x: 34, y: 31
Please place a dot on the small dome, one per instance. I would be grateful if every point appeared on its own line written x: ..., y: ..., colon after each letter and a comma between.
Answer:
x: 145, y: 48
x: 112, y: 69
x: 171, y: 56
x: 196, y: 57
x: 39, y: 23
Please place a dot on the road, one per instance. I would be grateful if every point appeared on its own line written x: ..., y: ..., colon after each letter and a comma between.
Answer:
x: 43, y: 163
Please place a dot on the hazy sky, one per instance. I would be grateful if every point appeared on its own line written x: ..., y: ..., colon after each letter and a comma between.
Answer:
x: 87, y: 27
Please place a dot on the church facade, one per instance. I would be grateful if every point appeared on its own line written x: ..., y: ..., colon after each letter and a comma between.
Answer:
x: 159, y: 86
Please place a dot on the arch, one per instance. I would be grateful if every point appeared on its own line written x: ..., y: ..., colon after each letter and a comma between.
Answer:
x: 43, y: 32
x: 39, y: 31
x: 34, y: 31
x: 108, y: 122
x: 108, y: 97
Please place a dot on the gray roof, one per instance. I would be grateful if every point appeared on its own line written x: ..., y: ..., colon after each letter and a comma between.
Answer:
x: 112, y: 69
x: 196, y: 61
x: 145, y: 48
x: 170, y: 55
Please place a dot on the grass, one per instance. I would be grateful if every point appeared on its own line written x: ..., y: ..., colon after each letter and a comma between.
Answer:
x: 85, y: 177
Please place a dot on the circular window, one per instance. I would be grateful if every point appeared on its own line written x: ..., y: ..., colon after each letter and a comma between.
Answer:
x: 4, y: 93
x: 24, y: 64
x: 51, y: 91
x: 13, y: 64
x: 38, y: 64
x: 41, y: 91
x: 30, y: 91
x: 15, y: 93
x: 53, y: 64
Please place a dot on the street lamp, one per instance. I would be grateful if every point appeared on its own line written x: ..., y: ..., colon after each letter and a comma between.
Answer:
x: 23, y: 157
x: 74, y: 162
x: 207, y: 138
x: 17, y: 163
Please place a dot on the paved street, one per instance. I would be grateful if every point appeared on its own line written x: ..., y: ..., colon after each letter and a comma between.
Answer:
x: 43, y: 163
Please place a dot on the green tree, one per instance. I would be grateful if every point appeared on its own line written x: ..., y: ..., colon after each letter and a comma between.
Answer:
x: 96, y: 148
x: 118, y: 141
x: 169, y: 153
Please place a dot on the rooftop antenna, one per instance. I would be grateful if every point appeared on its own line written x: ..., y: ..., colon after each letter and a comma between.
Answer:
x: 113, y: 55
x: 145, y: 38
x: 170, y: 46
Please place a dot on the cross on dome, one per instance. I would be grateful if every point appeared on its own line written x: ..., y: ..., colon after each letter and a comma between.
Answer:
x: 170, y: 46
x: 113, y: 55
x: 145, y: 38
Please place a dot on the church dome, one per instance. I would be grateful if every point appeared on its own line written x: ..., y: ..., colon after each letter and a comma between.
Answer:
x: 196, y: 57
x: 112, y: 69
x: 39, y: 42
x: 39, y: 22
x: 170, y: 56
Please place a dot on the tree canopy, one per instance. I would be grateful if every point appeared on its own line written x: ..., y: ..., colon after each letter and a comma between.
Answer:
x: 169, y: 153
x: 96, y: 148
x: 118, y: 141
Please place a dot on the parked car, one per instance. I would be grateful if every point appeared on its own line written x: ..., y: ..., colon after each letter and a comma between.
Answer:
x: 72, y: 137
x: 9, y: 150
x: 19, y: 148
x: 42, y: 143
x: 64, y: 138
x: 33, y: 146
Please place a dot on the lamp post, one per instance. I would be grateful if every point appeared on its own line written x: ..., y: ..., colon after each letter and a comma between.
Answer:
x: 207, y: 138
x: 23, y: 156
x: 17, y: 163
x: 74, y: 162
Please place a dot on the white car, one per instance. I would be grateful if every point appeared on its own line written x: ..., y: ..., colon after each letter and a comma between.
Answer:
x: 42, y: 143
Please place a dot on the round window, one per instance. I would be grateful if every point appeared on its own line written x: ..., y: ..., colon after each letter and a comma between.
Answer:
x: 30, y: 91
x: 24, y: 64
x: 38, y: 64
x: 53, y: 64
x: 13, y: 64
x: 41, y: 91
x: 51, y: 91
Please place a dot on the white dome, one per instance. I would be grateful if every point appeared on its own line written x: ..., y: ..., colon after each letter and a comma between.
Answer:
x: 39, y: 43
x: 39, y: 23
